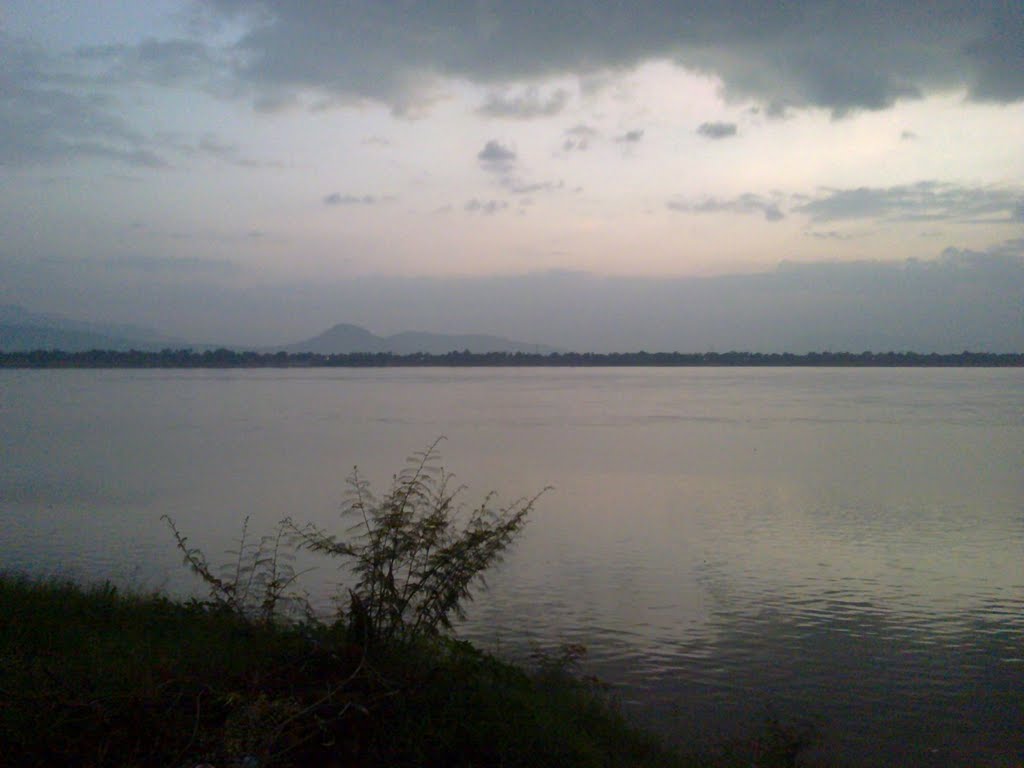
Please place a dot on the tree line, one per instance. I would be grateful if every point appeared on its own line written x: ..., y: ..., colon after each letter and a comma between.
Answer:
x: 228, y: 358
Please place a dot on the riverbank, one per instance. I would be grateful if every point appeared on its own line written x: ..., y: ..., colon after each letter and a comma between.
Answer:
x: 92, y: 676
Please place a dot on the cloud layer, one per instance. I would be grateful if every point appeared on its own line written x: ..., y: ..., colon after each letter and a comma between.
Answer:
x: 744, y: 204
x: 924, y: 201
x: 826, y: 53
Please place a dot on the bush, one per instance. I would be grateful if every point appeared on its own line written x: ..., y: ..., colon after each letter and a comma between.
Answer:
x: 415, y: 554
x: 256, y: 583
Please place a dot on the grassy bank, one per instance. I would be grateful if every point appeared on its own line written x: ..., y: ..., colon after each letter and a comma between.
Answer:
x: 94, y: 677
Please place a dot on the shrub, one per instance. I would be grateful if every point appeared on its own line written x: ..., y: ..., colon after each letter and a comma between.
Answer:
x: 415, y: 554
x: 255, y: 584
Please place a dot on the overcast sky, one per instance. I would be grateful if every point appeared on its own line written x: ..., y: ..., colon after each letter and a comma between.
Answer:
x: 243, y: 171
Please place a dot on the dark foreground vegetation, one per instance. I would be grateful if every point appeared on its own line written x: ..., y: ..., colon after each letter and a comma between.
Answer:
x: 90, y: 676
x: 227, y: 358
x: 93, y: 677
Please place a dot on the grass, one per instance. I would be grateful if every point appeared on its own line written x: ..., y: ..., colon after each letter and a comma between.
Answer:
x: 91, y: 676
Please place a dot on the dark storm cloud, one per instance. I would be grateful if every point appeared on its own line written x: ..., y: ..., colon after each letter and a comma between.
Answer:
x: 924, y: 201
x: 827, y: 53
x: 717, y: 130
x: 526, y: 105
x: 748, y: 203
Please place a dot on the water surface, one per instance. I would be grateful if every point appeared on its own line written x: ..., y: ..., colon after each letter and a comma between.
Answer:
x: 841, y: 545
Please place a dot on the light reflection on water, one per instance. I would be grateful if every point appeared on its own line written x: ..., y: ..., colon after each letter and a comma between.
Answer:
x: 838, y: 545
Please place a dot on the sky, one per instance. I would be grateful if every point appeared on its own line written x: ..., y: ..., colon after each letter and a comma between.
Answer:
x: 568, y: 170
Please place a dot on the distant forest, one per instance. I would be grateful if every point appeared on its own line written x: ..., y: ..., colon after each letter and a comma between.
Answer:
x: 226, y: 358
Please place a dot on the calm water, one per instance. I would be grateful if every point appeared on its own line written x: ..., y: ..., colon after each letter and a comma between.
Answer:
x: 842, y: 546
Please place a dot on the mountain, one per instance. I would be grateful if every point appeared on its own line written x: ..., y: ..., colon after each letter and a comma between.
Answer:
x: 345, y: 338
x: 22, y: 330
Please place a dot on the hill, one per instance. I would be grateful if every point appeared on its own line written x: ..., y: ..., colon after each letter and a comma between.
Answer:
x: 22, y: 330
x: 345, y: 339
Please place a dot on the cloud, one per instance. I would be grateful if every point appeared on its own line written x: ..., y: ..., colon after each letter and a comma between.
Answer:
x: 630, y: 137
x: 582, y: 130
x: 717, y: 130
x: 486, y: 207
x: 214, y: 147
x: 1014, y: 247
x: 283, y: 53
x: 998, y: 56
x: 748, y: 203
x: 526, y: 105
x: 838, y: 56
x: 49, y: 113
x: 829, y: 235
x: 1008, y: 252
x: 336, y: 198
x: 929, y: 201
x: 578, y: 138
x: 502, y: 162
x: 156, y: 62
x: 140, y: 158
x: 496, y: 158
x: 923, y: 201
x: 519, y: 187
x: 208, y: 146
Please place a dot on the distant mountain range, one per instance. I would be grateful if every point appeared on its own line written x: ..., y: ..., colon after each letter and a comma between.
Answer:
x: 22, y: 330
x: 346, y: 339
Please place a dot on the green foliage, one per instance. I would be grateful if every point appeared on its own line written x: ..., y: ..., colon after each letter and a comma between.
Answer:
x: 256, y: 582
x: 415, y: 554
x: 94, y: 677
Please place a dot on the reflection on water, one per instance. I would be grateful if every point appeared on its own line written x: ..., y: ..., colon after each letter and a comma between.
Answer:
x: 843, y: 546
